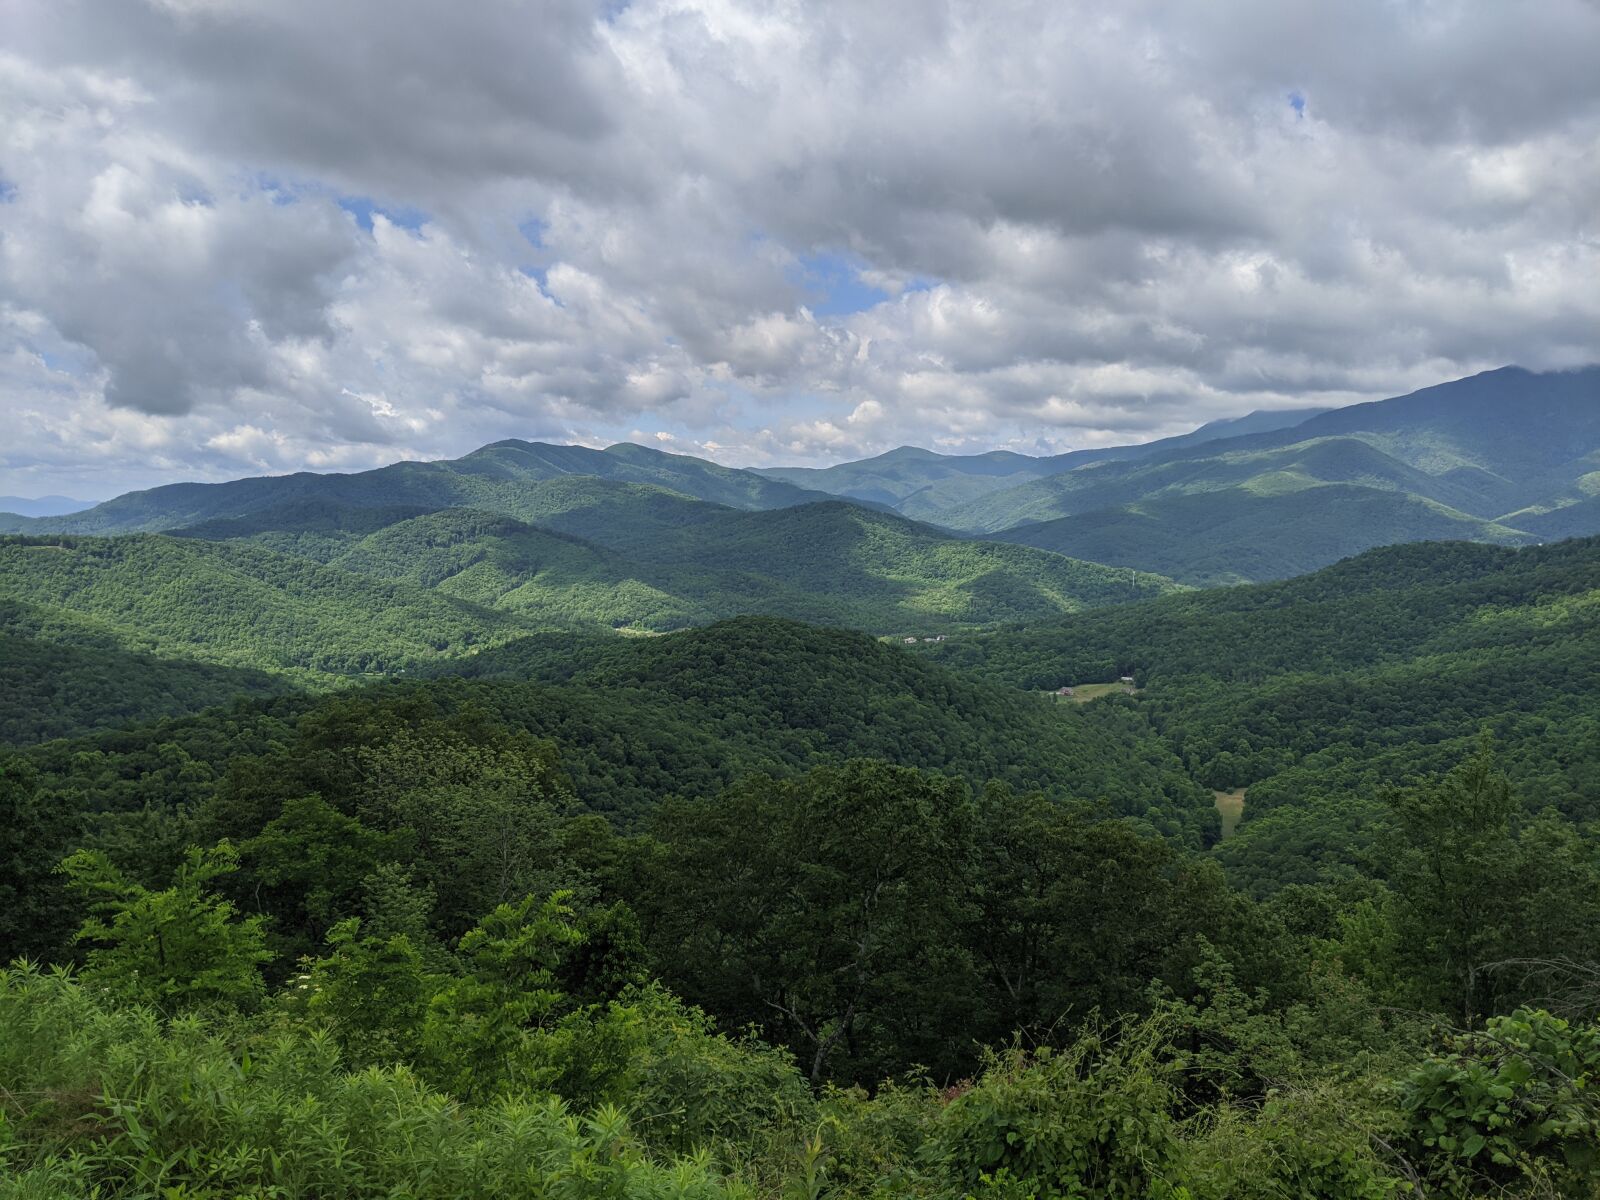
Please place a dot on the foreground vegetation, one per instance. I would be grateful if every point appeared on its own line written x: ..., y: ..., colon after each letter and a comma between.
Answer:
x: 890, y: 986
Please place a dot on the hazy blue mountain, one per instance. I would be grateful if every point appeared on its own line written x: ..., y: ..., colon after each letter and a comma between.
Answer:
x: 42, y: 506
x: 1242, y: 534
x: 924, y: 484
x: 494, y: 478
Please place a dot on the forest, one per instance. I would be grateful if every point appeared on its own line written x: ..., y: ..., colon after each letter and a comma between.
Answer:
x: 769, y: 909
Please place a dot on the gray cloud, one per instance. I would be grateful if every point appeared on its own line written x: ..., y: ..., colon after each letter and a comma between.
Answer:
x: 1084, y: 224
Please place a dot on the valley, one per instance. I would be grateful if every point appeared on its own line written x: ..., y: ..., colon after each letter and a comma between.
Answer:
x: 679, y: 751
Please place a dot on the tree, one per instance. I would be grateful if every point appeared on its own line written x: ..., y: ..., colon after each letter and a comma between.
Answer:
x: 822, y: 908
x: 1453, y: 875
x: 34, y: 833
x: 476, y: 1031
x: 373, y: 990
x: 484, y: 815
x: 312, y: 859
x: 180, y: 947
x: 1074, y: 912
x: 394, y: 905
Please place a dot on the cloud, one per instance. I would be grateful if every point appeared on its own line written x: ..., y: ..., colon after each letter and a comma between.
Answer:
x: 1063, y: 224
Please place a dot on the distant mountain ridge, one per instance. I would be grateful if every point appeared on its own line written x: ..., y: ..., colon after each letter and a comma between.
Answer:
x: 1509, y: 456
x: 493, y: 477
x: 43, y: 506
x: 607, y: 555
x: 923, y: 483
x: 312, y: 594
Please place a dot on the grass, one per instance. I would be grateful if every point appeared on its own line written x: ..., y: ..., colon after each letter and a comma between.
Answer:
x: 1082, y: 693
x: 1230, y: 807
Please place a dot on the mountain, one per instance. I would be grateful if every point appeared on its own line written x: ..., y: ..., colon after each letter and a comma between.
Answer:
x: 914, y: 480
x: 924, y: 484
x: 1255, y: 532
x: 61, y: 675
x: 42, y: 506
x: 314, y: 594
x: 1508, y: 456
x: 637, y: 720
x: 494, y: 478
x: 609, y: 555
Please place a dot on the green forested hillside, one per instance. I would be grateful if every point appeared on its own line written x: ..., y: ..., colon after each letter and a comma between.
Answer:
x: 916, y: 481
x: 641, y: 719
x: 381, y: 942
x: 315, y: 529
x: 240, y: 606
x: 346, y: 593
x: 1273, y: 528
x: 614, y: 556
x: 1253, y: 472
x: 61, y: 676
x: 1315, y: 693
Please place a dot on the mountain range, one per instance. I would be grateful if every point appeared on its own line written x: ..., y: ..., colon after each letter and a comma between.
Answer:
x: 1508, y: 456
x: 923, y: 484
x: 636, y: 538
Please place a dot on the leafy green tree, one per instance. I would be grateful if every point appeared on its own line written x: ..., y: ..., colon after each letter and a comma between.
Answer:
x: 1074, y: 912
x: 1452, y: 875
x: 477, y: 1027
x: 372, y: 990
x: 180, y: 947
x: 821, y: 908
x: 394, y: 905
x: 1480, y: 905
x: 610, y: 959
x: 312, y: 860
x: 1094, y: 1120
x: 34, y: 834
x: 484, y: 812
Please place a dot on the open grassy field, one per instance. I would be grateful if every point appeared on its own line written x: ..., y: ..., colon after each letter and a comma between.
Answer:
x: 1230, y: 807
x: 1082, y: 693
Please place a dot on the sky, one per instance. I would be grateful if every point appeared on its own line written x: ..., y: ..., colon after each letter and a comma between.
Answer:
x: 254, y: 236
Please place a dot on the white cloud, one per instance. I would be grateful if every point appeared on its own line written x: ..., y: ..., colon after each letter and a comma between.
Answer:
x: 1087, y: 224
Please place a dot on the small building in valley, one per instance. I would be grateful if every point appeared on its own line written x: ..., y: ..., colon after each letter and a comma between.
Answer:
x: 1063, y: 691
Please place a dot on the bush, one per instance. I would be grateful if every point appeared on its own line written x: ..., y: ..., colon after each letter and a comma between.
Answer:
x: 1518, y: 1102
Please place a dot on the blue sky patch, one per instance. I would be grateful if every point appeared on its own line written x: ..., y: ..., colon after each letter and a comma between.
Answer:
x: 834, y: 283
x: 362, y: 208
